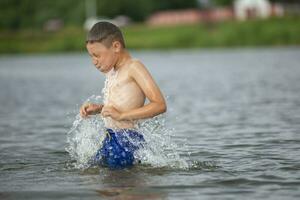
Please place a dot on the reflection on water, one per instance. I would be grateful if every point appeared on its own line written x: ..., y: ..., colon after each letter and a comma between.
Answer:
x: 127, y: 184
x: 234, y: 116
x: 130, y: 183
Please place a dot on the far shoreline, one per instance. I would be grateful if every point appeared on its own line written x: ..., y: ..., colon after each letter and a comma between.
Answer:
x: 272, y: 32
x: 174, y: 50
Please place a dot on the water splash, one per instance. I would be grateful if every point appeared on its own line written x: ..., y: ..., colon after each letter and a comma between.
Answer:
x: 83, y: 139
x: 160, y: 150
x: 86, y: 137
x: 110, y: 78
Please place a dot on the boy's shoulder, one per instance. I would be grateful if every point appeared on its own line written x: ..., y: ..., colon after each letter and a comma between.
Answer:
x: 137, y: 70
x: 135, y: 64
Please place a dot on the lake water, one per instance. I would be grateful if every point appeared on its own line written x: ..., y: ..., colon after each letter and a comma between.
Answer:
x: 234, y: 113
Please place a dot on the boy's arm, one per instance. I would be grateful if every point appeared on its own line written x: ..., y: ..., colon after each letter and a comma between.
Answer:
x: 156, y: 105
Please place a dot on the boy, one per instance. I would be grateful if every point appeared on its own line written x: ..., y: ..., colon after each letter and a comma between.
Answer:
x: 126, y: 95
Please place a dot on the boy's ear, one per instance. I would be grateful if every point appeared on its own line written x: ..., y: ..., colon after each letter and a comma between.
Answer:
x: 117, y: 46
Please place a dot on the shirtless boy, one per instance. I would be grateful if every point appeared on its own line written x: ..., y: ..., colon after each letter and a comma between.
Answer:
x: 124, y: 103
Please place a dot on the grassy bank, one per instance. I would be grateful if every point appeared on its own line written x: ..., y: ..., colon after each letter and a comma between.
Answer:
x: 270, y: 32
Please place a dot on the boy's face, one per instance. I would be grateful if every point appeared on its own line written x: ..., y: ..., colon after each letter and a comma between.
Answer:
x: 103, y: 58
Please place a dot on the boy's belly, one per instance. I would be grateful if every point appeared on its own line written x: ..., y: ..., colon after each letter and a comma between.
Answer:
x: 114, y: 124
x: 122, y: 106
x: 124, y: 98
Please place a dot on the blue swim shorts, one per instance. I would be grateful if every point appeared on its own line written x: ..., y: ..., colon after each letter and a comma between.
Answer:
x: 118, y: 147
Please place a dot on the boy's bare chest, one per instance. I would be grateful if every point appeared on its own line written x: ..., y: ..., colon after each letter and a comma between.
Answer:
x: 124, y: 93
x: 124, y: 87
x: 121, y: 84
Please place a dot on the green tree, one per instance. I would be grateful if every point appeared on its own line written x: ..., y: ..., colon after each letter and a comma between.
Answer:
x: 174, y: 4
x: 223, y: 2
x: 137, y: 10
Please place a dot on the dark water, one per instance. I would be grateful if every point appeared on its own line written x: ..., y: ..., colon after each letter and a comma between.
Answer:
x: 238, y: 109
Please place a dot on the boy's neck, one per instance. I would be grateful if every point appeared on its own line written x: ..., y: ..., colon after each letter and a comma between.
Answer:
x: 123, y: 58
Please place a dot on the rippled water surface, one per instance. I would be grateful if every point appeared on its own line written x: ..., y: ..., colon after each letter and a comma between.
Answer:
x: 237, y: 111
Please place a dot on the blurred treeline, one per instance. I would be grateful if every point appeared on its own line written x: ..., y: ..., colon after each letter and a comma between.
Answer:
x: 19, y: 14
x: 22, y: 26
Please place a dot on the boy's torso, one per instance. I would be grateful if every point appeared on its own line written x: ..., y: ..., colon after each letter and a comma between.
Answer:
x: 124, y: 94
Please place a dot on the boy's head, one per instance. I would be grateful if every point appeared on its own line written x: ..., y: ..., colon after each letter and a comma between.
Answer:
x: 104, y: 43
x: 105, y: 33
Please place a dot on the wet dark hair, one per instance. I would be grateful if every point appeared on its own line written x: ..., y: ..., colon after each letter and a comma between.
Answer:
x: 106, y: 33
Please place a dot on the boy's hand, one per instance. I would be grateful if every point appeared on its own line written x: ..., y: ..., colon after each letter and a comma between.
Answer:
x: 90, y: 109
x: 109, y: 111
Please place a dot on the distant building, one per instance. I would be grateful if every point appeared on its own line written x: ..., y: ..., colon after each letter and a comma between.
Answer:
x: 245, y: 9
x: 220, y: 14
x: 173, y: 17
x: 189, y: 16
x: 241, y: 10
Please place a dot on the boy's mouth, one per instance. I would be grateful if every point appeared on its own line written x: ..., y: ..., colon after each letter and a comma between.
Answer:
x: 98, y: 67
